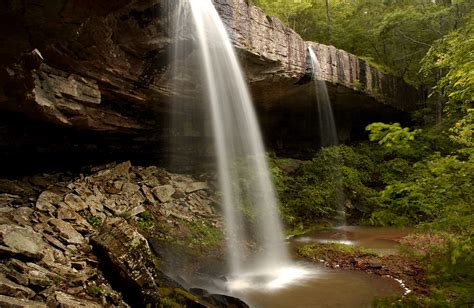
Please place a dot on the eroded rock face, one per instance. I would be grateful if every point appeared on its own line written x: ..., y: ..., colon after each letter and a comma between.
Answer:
x: 87, y: 81
x: 351, y: 74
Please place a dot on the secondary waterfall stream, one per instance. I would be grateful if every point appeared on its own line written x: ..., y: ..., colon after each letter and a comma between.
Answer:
x: 248, y: 198
x: 328, y: 130
x: 327, y: 124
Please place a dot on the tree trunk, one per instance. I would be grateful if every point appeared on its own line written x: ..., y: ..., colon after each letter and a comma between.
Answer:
x: 329, y: 22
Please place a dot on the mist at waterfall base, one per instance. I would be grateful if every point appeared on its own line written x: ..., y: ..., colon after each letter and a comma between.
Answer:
x: 245, y: 185
x: 328, y: 131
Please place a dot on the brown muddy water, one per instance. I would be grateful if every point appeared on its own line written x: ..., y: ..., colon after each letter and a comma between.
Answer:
x: 382, y: 240
x: 325, y: 287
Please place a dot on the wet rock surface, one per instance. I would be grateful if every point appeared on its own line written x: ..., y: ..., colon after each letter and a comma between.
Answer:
x: 81, y: 241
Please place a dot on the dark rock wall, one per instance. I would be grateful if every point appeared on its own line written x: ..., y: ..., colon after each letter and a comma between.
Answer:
x: 84, y: 80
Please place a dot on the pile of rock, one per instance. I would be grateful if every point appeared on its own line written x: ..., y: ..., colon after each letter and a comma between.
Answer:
x: 45, y: 254
x: 58, y: 236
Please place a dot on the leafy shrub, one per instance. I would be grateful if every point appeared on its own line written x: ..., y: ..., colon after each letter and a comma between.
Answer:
x: 333, y: 181
x: 436, y: 187
x: 392, y: 135
x: 449, y: 262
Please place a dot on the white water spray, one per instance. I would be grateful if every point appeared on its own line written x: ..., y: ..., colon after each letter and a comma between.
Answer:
x: 244, y: 177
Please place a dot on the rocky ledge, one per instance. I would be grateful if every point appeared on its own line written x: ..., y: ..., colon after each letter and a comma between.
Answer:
x: 106, y: 67
x: 79, y: 241
x: 92, y: 80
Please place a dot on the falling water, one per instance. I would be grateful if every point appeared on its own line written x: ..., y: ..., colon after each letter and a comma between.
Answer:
x: 188, y: 132
x: 328, y: 131
x: 244, y: 177
x: 327, y: 125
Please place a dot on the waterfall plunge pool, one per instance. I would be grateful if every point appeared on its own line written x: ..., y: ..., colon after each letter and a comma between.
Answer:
x: 322, y: 287
x: 314, y: 285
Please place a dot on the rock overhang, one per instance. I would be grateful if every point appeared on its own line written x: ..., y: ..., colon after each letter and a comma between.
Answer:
x: 120, y: 52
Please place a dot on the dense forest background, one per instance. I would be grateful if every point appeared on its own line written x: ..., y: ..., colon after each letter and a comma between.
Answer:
x: 408, y: 176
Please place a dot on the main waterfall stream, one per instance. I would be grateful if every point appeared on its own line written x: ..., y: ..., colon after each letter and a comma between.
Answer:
x: 244, y: 178
x: 206, y: 69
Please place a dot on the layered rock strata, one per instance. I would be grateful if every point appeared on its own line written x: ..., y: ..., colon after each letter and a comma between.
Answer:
x: 107, y: 67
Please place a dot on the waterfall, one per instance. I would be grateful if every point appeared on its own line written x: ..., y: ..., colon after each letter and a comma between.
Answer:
x: 247, y: 192
x: 328, y: 131
x: 327, y: 124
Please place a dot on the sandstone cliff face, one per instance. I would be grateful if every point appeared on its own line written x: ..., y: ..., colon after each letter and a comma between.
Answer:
x: 93, y: 73
x: 104, y: 67
x: 273, y: 55
x: 351, y: 73
x: 275, y: 59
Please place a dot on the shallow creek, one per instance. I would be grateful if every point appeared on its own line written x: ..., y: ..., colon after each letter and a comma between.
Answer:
x: 382, y: 240
x: 324, y: 287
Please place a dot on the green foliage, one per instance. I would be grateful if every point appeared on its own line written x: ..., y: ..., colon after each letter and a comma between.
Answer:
x: 319, y: 189
x: 202, y: 235
x: 94, y: 221
x: 392, y: 135
x: 95, y: 290
x: 330, y: 251
x: 287, y: 10
x: 463, y: 130
x: 145, y: 220
x: 175, y: 298
x: 436, y: 186
x: 449, y: 263
x: 452, y: 58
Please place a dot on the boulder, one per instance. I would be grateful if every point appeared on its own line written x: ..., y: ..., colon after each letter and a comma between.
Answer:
x: 119, y: 171
x: 10, y: 288
x: 12, y: 302
x: 22, y: 241
x: 148, y: 194
x: 127, y: 254
x: 164, y: 192
x: 131, y: 263
x: 46, y: 201
x: 67, y: 231
x: 75, y: 202
x: 220, y: 300
x: 195, y: 186
x: 69, y: 301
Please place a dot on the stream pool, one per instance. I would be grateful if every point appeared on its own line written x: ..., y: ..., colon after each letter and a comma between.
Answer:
x: 325, y: 287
